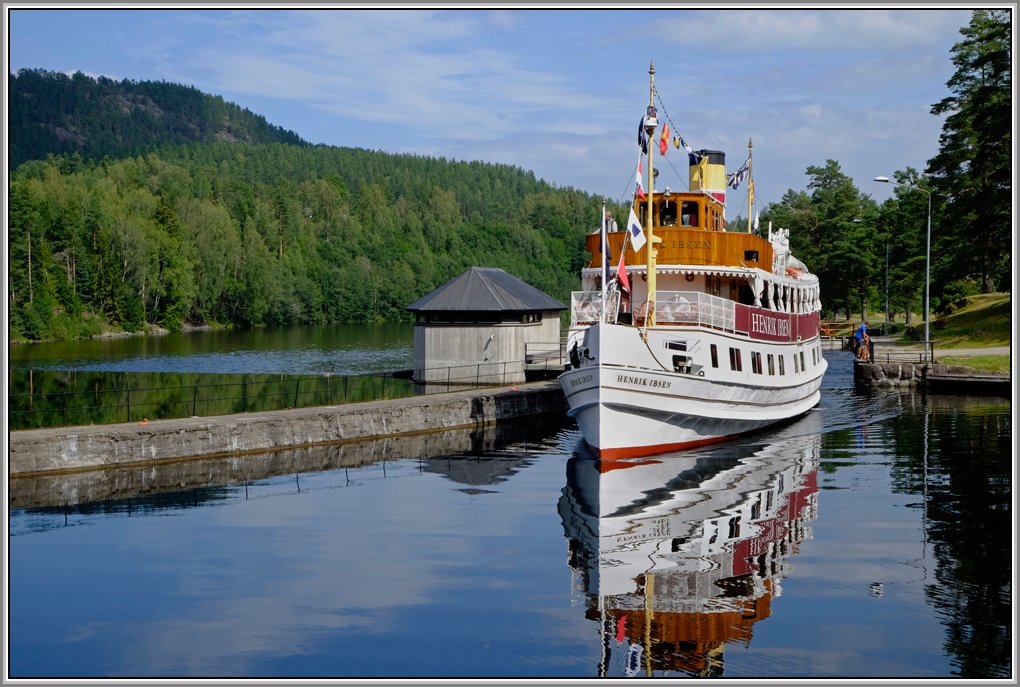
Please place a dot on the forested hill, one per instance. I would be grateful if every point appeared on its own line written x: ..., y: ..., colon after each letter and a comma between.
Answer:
x: 272, y: 234
x: 51, y: 112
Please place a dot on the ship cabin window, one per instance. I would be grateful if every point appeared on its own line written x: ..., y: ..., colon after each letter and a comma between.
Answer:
x: 689, y: 213
x: 802, y: 365
x: 715, y: 356
x: 772, y: 364
x: 782, y: 364
x: 735, y: 360
x: 795, y: 369
x: 751, y: 255
x: 756, y: 367
x: 676, y: 345
x: 667, y: 213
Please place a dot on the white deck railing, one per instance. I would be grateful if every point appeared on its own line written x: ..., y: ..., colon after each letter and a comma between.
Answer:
x: 694, y: 308
x: 671, y: 307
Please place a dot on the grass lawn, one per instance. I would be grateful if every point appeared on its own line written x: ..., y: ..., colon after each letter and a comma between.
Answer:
x: 984, y: 322
x: 991, y: 363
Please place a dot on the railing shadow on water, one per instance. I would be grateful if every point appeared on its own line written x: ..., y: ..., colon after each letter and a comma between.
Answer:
x: 109, y: 398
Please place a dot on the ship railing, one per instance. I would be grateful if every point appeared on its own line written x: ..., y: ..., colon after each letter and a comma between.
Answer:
x: 695, y: 308
x: 586, y: 308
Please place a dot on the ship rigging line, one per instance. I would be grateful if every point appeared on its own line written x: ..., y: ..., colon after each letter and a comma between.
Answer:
x: 676, y: 131
x: 632, y: 173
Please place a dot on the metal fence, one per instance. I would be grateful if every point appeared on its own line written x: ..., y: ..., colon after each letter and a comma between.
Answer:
x: 107, y: 406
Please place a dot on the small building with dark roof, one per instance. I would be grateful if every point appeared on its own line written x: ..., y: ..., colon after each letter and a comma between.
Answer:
x: 477, y: 327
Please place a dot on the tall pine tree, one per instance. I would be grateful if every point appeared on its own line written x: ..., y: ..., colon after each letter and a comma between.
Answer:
x: 973, y: 165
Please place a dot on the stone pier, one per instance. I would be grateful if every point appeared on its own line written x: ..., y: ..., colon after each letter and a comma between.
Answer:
x: 71, y: 449
x: 931, y: 376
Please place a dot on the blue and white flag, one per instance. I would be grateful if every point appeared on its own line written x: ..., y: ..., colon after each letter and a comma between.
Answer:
x: 642, y: 139
x: 737, y: 177
x: 637, y: 234
x: 693, y: 158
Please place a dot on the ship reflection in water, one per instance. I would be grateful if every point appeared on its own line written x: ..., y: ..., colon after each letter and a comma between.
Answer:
x: 677, y: 555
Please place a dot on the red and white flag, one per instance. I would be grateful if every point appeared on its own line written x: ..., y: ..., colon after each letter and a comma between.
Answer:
x: 621, y: 274
x: 640, y: 190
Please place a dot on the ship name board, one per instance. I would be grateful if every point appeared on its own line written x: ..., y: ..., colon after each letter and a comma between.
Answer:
x: 640, y: 381
x: 581, y: 380
x: 692, y: 244
x: 763, y: 324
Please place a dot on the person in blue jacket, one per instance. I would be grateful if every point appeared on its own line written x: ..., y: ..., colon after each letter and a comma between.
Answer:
x: 861, y: 339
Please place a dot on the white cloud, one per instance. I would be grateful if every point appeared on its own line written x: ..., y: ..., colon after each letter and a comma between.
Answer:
x: 822, y: 30
x: 425, y: 70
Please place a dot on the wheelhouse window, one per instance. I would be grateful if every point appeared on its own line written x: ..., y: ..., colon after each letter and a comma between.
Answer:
x: 667, y: 213
x: 689, y: 213
x: 772, y: 364
x: 782, y: 364
x: 715, y: 356
x: 802, y: 365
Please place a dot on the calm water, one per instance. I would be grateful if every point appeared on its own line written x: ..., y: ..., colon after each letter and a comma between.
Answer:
x: 347, y: 349
x: 870, y: 538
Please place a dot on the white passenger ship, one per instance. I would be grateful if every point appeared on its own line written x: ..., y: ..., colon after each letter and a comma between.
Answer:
x: 719, y: 334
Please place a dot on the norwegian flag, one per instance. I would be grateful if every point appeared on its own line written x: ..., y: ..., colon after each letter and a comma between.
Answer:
x: 640, y: 190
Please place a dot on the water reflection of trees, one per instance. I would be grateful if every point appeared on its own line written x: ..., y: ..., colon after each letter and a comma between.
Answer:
x: 956, y: 453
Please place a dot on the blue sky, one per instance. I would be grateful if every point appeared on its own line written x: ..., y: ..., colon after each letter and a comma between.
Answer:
x: 558, y: 92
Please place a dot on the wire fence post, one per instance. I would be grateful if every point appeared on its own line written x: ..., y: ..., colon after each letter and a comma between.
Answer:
x: 244, y: 396
x: 297, y: 384
x: 63, y: 412
x: 128, y: 405
x: 194, y: 401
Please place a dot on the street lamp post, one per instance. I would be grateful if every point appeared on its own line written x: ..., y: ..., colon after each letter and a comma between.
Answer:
x: 927, y: 259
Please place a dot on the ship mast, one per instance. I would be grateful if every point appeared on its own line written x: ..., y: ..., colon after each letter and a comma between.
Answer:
x: 651, y: 123
x: 750, y: 183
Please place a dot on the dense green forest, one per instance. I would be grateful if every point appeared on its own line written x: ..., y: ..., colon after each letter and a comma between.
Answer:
x: 272, y: 234
x: 51, y: 112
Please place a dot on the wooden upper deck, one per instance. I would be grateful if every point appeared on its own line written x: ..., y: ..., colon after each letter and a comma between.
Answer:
x: 693, y: 233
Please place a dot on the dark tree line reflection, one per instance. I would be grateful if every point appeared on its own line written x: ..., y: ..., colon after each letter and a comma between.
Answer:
x: 955, y: 453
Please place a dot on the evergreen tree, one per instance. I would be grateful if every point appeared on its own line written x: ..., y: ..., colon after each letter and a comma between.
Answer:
x: 973, y: 165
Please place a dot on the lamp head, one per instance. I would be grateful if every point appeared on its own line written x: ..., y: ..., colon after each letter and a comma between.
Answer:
x: 884, y: 180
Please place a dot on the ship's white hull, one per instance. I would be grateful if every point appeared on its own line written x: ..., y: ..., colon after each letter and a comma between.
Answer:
x: 628, y: 401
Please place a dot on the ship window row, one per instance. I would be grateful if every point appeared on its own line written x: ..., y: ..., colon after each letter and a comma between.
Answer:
x: 770, y: 361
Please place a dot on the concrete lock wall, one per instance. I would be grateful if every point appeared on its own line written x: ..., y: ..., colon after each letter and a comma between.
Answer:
x: 61, y: 488
x: 79, y: 448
